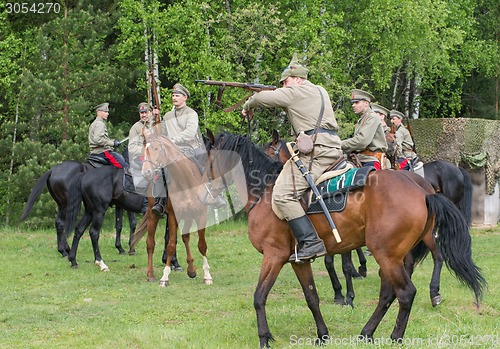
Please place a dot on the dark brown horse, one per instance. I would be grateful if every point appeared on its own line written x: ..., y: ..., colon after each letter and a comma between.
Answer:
x: 390, y: 240
x: 183, y: 204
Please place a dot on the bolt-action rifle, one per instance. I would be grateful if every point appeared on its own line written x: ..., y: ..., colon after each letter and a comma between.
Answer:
x: 245, y: 85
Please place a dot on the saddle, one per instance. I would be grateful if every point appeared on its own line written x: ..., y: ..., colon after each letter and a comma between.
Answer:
x: 334, y: 188
x: 96, y: 161
x: 128, y: 181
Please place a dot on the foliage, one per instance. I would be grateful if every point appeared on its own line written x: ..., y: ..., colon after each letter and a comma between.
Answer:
x: 55, y: 67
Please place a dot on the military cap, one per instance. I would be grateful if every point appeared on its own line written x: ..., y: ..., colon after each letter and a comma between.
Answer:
x: 360, y: 95
x: 395, y: 113
x: 143, y: 107
x: 380, y: 109
x: 102, y: 107
x: 178, y: 88
x: 294, y: 69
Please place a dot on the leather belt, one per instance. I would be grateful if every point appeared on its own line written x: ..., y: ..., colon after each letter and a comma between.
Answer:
x: 321, y: 130
x: 368, y: 152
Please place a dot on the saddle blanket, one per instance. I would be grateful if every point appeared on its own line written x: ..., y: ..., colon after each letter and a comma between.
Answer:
x: 334, y: 190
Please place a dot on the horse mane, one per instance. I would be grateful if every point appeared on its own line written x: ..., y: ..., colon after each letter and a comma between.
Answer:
x: 260, y: 170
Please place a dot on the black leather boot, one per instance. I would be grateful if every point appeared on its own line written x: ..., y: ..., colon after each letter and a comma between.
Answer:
x: 145, y: 205
x: 310, y: 245
x: 158, y: 209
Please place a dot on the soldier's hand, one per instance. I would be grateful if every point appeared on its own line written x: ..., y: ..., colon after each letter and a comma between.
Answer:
x: 116, y: 143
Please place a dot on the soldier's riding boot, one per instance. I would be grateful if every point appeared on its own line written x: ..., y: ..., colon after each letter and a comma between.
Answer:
x: 310, y: 245
x: 158, y: 208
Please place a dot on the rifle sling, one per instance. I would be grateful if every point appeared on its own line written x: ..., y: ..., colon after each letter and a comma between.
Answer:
x: 237, y: 105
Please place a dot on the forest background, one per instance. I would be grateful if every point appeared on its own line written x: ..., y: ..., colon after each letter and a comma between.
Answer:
x: 427, y: 58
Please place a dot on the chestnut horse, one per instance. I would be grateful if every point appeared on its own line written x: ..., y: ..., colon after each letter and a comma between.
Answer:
x: 183, y: 203
x: 390, y: 240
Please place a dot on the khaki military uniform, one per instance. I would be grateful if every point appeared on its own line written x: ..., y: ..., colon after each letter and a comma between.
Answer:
x: 302, y: 105
x: 404, y: 143
x: 369, y: 136
x: 181, y: 126
x: 136, y: 141
x: 99, y: 140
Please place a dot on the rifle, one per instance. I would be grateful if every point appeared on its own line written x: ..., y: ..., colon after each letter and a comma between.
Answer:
x: 245, y: 85
x: 156, y: 97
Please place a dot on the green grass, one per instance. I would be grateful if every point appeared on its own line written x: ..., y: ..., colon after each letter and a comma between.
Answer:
x: 46, y: 304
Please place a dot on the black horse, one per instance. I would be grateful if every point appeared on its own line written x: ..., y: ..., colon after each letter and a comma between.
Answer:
x: 98, y: 189
x: 58, y: 180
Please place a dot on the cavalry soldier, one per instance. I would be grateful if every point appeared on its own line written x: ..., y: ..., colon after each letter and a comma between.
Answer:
x: 181, y: 126
x: 136, y: 139
x: 368, y: 141
x: 404, y: 151
x: 383, y: 113
x: 100, y: 143
x: 302, y: 101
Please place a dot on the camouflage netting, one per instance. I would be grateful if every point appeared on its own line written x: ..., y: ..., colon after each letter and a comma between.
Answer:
x: 474, y: 142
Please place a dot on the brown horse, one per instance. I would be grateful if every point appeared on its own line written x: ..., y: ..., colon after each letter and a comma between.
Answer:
x: 390, y: 240
x: 278, y: 151
x: 440, y: 176
x: 183, y: 204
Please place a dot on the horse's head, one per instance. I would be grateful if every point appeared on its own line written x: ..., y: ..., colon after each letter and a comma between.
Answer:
x: 390, y: 138
x: 277, y: 149
x: 159, y: 153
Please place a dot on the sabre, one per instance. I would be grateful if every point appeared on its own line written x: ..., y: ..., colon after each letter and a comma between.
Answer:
x: 124, y: 140
x: 315, y: 190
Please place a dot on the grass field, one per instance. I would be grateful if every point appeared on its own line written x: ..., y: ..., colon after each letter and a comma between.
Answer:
x: 46, y: 304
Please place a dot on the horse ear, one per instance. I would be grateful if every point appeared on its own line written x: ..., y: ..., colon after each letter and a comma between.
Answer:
x: 210, y: 136
x: 276, y: 136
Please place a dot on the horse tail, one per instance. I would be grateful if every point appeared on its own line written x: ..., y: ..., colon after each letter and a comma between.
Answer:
x: 419, y: 252
x: 35, y: 193
x: 139, y: 232
x: 75, y: 199
x: 465, y: 203
x: 454, y: 242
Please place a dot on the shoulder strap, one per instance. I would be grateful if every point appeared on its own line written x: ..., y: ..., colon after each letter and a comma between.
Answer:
x: 315, y: 135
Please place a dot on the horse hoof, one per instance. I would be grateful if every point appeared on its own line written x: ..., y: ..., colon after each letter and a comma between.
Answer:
x: 105, y: 269
x: 131, y: 253
x: 358, y: 276
x: 174, y: 268
x: 163, y: 283
x: 151, y: 279
x: 339, y: 301
x: 191, y: 274
x: 362, y: 272
x: 436, y: 300
x: 74, y: 266
x: 208, y: 281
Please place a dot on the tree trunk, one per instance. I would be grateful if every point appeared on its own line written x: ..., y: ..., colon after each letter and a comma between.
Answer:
x: 416, y: 96
x: 407, y: 95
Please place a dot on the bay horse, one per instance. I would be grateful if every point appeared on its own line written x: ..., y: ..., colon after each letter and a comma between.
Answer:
x: 58, y: 181
x: 444, y: 177
x: 186, y: 184
x: 390, y: 240
x: 277, y: 150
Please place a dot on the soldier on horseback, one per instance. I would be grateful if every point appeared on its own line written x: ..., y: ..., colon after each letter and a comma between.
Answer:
x: 405, y: 155
x: 180, y: 125
x: 304, y: 104
x: 368, y: 142
x: 99, y: 142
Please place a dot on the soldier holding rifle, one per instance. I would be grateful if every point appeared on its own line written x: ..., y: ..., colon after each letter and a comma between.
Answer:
x: 304, y: 104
